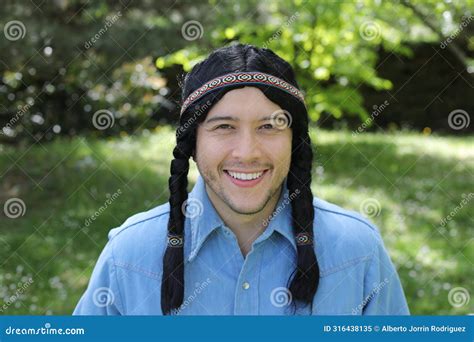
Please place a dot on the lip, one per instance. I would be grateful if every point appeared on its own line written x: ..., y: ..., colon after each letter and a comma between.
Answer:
x: 246, y: 183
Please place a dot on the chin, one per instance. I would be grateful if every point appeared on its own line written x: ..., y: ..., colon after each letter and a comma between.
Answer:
x: 246, y: 209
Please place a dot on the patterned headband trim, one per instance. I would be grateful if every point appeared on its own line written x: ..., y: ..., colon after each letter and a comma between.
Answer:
x: 175, y: 241
x: 242, y: 78
x: 303, y: 239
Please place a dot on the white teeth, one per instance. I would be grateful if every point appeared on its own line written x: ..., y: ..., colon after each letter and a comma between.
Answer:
x: 245, y: 176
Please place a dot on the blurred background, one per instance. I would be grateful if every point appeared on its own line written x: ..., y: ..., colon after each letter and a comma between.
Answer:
x: 89, y: 101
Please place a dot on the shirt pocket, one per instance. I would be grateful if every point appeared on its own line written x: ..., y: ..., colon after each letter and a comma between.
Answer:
x: 140, y: 288
x: 340, y: 291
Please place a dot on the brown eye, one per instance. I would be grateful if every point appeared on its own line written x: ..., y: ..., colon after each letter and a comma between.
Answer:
x: 267, y: 126
x: 224, y: 126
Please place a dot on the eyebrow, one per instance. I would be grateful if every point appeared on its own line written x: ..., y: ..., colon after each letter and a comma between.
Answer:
x: 233, y: 118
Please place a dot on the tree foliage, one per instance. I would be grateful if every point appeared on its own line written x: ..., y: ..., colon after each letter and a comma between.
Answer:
x: 75, y: 57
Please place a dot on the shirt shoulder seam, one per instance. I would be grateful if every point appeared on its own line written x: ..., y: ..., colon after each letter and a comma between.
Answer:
x: 135, y: 223
x: 347, y: 215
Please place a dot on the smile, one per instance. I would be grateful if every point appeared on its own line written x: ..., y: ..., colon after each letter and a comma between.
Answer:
x: 245, y: 179
x: 245, y: 176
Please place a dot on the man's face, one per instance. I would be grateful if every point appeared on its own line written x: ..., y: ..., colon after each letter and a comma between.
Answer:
x: 239, y: 141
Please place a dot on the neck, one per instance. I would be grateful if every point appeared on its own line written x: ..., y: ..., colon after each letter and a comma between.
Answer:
x: 247, y: 228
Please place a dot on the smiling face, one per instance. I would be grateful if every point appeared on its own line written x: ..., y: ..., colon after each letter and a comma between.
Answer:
x: 242, y: 154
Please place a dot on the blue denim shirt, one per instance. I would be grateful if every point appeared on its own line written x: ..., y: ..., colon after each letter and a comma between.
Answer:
x: 356, y: 274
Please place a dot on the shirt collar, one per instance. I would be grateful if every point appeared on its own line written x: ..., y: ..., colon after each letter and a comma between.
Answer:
x: 208, y: 220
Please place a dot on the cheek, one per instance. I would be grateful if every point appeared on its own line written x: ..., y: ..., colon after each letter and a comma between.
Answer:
x: 286, y: 158
x: 280, y: 152
x: 208, y: 153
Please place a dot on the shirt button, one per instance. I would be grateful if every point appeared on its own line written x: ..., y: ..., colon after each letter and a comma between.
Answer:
x: 245, y: 286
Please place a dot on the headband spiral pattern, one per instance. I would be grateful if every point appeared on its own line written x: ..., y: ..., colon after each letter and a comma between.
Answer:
x: 242, y: 78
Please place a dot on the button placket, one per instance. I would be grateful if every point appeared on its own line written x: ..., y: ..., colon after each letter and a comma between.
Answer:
x: 246, y: 293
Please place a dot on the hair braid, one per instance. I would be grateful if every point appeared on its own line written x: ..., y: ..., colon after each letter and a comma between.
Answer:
x: 172, y: 286
x: 306, y: 279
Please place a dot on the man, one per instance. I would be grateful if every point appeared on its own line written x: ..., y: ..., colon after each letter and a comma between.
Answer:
x: 250, y: 239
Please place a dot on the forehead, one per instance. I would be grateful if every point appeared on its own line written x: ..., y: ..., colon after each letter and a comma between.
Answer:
x: 247, y: 102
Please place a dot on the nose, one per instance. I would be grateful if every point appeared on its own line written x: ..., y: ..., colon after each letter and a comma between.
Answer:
x: 247, y: 147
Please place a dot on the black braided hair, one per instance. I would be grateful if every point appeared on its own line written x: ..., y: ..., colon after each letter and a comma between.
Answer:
x: 304, y: 280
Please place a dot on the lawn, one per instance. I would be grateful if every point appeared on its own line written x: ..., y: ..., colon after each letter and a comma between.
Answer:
x: 415, y: 183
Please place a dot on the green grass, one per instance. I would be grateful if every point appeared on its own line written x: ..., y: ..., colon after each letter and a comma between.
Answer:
x: 418, y: 180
